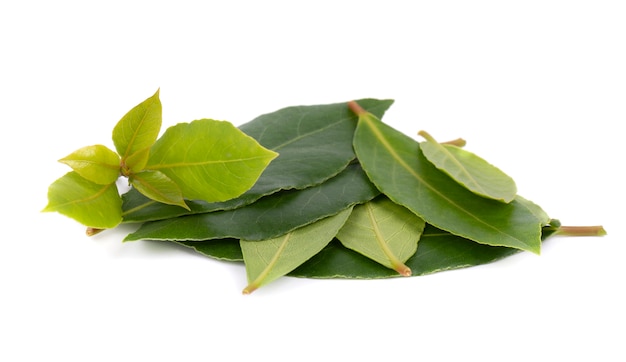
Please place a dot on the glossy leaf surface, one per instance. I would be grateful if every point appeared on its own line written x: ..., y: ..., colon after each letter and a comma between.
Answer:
x: 91, y: 204
x: 396, y: 166
x: 314, y: 144
x: 157, y: 186
x: 270, y: 216
x: 209, y: 160
x: 384, y: 232
x: 95, y: 163
x: 135, y: 133
x: 268, y: 260
x: 469, y: 170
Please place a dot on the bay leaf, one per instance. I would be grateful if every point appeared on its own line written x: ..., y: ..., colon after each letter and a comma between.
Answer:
x: 384, y: 232
x: 91, y: 204
x: 394, y: 163
x: 209, y: 160
x: 157, y: 186
x: 469, y: 170
x: 268, y: 260
x: 136, y: 132
x: 314, y: 144
x: 270, y: 216
x: 96, y: 163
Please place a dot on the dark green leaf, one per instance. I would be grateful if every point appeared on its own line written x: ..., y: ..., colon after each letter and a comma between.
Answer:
x: 270, y: 216
x: 209, y: 160
x: 314, y: 144
x: 95, y: 163
x: 135, y: 133
x: 91, y: 204
x: 396, y: 166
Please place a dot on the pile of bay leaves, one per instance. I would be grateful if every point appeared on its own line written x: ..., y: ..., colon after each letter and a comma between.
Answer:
x: 350, y: 197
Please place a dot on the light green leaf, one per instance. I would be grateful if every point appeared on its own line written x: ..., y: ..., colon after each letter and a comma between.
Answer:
x: 136, y: 132
x: 95, y: 163
x: 93, y: 205
x: 157, y: 186
x: 270, y: 259
x: 209, y: 160
x: 383, y: 231
x: 469, y: 170
x: 396, y: 166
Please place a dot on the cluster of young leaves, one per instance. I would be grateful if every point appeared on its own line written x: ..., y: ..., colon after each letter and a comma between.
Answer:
x: 344, y: 196
x: 206, y: 159
x: 351, y: 197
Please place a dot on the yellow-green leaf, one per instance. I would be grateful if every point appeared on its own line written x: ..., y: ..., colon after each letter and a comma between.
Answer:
x: 157, y: 186
x: 270, y: 259
x: 91, y: 204
x: 384, y: 232
x: 137, y: 131
x: 95, y: 163
x: 209, y: 160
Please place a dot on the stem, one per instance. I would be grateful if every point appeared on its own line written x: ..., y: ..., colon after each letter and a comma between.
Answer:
x: 356, y: 108
x: 459, y: 142
x: 596, y: 230
x: 93, y: 231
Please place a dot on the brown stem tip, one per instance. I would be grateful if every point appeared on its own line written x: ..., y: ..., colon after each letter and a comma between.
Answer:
x: 356, y: 108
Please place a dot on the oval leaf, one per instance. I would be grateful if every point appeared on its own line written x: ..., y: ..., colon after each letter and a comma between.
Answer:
x: 270, y: 259
x: 396, y: 166
x: 95, y: 163
x: 314, y: 144
x: 209, y: 160
x: 137, y: 131
x: 269, y: 217
x: 469, y: 170
x: 91, y: 204
x: 158, y: 187
x: 384, y: 232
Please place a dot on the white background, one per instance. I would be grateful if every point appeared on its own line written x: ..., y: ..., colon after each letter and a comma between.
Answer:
x: 536, y: 87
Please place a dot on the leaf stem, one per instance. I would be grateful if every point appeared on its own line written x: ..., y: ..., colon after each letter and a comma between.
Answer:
x: 459, y: 142
x: 356, y: 108
x: 597, y: 230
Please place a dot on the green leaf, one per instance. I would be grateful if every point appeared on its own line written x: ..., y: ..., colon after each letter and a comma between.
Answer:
x: 136, y: 132
x: 384, y: 232
x: 91, y: 204
x: 270, y: 259
x: 269, y: 217
x: 157, y: 186
x: 314, y: 144
x: 469, y: 170
x: 396, y: 166
x: 227, y: 249
x: 209, y: 160
x: 95, y: 163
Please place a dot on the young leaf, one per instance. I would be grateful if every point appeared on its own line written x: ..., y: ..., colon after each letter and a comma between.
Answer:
x: 396, y: 166
x: 469, y: 170
x: 95, y: 163
x: 158, y: 187
x: 384, y: 232
x: 269, y: 260
x: 209, y: 160
x: 135, y: 133
x: 91, y: 204
x: 297, y: 133
x: 271, y: 216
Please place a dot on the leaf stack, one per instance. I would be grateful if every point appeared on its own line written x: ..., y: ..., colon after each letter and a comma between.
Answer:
x: 325, y: 191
